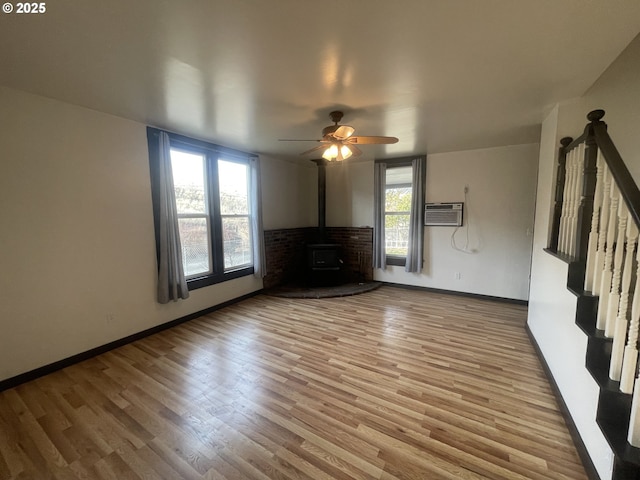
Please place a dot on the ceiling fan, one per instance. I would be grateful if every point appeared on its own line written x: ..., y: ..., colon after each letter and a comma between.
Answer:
x: 340, y: 142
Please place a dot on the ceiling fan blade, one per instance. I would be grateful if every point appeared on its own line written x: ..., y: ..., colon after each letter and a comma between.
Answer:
x: 314, y: 149
x: 372, y: 140
x: 355, y: 151
x: 343, y: 132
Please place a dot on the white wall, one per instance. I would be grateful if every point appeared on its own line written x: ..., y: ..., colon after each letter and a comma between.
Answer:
x: 617, y: 92
x: 289, y: 196
x: 498, y: 217
x: 77, y: 244
x: 350, y: 194
x: 551, y: 308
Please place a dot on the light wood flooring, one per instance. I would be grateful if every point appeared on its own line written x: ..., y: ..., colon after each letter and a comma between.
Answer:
x: 391, y: 384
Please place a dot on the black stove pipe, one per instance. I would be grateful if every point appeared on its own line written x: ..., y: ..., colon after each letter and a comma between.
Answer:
x: 322, y: 199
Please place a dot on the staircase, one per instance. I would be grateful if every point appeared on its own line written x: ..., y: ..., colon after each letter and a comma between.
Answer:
x: 595, y: 230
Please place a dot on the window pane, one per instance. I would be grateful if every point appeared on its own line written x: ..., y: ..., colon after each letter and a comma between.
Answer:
x: 398, y: 199
x: 396, y: 233
x: 194, y: 237
x: 189, y: 181
x: 234, y: 191
x: 399, y: 175
x: 236, y: 241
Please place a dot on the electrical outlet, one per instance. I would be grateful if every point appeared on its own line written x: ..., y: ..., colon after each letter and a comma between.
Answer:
x: 457, y: 275
x: 466, y: 189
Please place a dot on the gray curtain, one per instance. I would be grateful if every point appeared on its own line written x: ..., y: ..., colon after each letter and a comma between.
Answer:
x: 416, y: 228
x: 172, y: 284
x: 257, y: 231
x: 379, y: 189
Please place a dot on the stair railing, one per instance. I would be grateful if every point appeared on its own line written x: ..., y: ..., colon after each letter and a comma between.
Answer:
x: 595, y: 226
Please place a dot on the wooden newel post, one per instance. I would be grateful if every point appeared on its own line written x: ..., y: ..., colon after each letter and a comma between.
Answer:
x: 585, y: 210
x: 560, y: 179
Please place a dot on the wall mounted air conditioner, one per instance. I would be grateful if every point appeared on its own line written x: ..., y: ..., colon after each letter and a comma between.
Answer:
x: 443, y: 214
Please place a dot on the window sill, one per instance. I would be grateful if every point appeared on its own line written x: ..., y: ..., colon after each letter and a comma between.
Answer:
x: 200, y: 282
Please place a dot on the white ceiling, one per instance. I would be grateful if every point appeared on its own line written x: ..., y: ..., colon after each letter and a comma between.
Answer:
x: 441, y: 75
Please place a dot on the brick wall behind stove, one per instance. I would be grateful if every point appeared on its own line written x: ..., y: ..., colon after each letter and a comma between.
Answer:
x: 357, y: 251
x: 285, y: 255
x: 285, y: 252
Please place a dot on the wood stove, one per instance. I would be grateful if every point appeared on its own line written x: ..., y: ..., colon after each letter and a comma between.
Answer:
x: 323, y: 256
x: 324, y: 265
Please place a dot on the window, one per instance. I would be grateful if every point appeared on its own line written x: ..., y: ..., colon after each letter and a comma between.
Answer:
x: 397, y: 210
x: 213, y: 202
x: 399, y: 193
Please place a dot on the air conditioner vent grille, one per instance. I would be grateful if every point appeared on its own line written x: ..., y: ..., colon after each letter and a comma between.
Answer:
x: 443, y: 214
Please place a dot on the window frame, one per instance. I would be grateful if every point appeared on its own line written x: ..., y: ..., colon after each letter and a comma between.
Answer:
x: 397, y: 260
x: 212, y: 154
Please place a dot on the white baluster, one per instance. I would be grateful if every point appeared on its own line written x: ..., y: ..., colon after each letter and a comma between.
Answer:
x: 614, y: 295
x: 566, y: 202
x: 607, y: 271
x: 592, y: 249
x: 577, y: 197
x: 633, y: 437
x: 629, y: 366
x: 622, y: 320
x: 602, y: 231
x: 571, y: 180
x: 569, y: 200
x: 573, y: 199
x: 630, y: 359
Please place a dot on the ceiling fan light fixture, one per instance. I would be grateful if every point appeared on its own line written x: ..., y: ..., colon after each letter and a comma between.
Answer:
x: 333, y: 152
x: 342, y: 141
